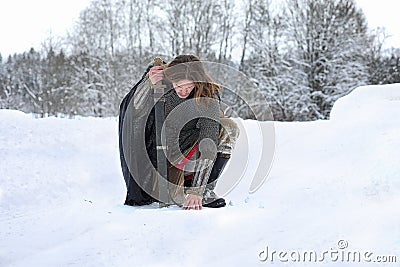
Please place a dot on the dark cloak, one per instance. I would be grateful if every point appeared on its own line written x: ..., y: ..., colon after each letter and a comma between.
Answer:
x: 137, y: 149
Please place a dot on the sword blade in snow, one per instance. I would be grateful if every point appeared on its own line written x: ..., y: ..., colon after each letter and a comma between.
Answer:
x: 159, y: 101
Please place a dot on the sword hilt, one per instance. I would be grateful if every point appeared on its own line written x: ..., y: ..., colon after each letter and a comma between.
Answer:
x: 159, y: 86
x: 158, y: 61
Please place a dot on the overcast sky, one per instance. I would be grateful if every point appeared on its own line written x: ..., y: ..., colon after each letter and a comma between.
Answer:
x: 26, y: 23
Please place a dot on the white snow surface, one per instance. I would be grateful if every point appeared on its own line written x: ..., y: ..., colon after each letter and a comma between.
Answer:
x: 332, y: 182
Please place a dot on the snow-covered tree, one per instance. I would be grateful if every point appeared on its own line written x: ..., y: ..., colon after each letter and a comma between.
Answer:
x: 329, y: 38
x: 267, y: 62
x: 387, y: 68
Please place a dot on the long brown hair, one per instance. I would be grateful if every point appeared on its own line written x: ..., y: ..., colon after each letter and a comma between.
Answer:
x: 189, y: 67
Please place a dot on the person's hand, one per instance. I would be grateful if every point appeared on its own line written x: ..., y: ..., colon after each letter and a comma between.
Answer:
x: 193, y: 202
x: 156, y: 74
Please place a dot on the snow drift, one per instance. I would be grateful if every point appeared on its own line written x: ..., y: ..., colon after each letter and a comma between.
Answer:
x: 331, y: 183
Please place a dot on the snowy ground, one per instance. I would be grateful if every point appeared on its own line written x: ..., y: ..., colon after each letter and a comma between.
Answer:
x: 334, y: 188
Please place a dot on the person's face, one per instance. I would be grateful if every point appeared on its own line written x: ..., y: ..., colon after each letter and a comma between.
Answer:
x: 183, y: 88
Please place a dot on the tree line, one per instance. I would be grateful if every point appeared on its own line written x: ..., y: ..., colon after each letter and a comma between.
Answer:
x: 302, y: 55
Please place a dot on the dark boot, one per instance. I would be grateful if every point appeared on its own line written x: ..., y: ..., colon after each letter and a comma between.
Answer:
x: 210, y: 199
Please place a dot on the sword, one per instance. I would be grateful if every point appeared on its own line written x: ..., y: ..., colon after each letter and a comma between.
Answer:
x: 159, y: 101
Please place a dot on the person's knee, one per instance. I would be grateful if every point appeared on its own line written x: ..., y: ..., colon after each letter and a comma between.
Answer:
x: 234, y: 130
x: 230, y: 128
x: 228, y: 135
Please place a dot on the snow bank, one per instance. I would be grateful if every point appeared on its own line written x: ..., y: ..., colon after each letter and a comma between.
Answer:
x: 331, y: 183
x: 369, y: 104
x: 369, y: 118
x: 45, y: 162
